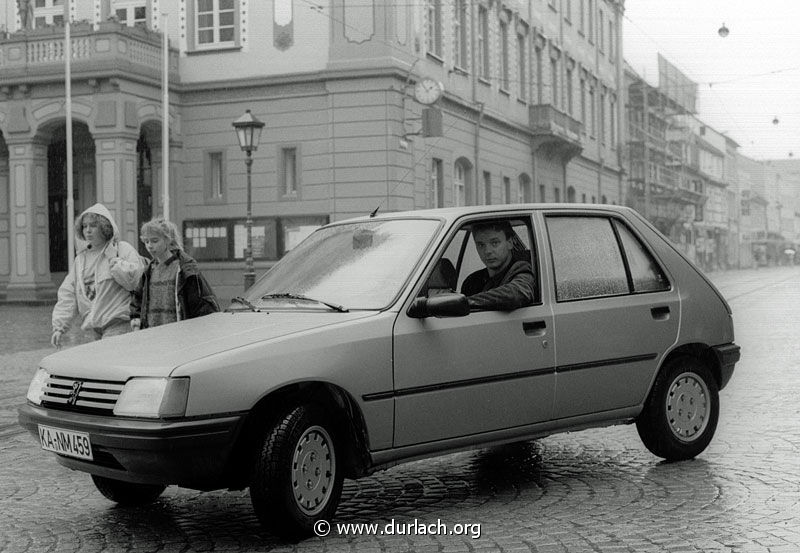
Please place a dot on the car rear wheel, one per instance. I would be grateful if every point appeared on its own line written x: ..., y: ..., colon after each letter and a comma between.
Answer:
x: 296, y: 480
x: 680, y: 415
x: 127, y: 494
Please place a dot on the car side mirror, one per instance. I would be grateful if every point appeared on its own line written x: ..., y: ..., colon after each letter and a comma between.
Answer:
x: 443, y: 305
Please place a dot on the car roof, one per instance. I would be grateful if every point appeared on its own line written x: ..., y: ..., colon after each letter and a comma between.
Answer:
x: 451, y: 213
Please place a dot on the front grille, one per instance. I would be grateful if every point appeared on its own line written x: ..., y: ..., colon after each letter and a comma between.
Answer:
x: 77, y: 394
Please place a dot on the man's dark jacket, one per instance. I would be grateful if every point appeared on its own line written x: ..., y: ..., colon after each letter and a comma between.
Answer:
x: 504, y: 291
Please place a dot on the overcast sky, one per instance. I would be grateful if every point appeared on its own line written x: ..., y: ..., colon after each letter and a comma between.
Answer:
x: 745, y: 80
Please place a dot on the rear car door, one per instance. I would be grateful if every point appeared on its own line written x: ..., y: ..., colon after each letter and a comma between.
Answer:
x: 487, y: 371
x: 616, y: 313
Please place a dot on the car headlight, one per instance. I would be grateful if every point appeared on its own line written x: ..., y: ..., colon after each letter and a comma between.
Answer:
x: 153, y: 397
x: 36, y: 387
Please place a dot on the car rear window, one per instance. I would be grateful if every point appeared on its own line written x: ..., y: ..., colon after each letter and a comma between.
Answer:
x: 646, y: 275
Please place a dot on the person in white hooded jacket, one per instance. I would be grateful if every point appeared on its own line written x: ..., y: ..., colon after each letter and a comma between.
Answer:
x: 97, y: 288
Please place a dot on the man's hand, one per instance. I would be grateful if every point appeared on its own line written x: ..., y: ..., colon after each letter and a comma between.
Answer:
x: 55, y: 340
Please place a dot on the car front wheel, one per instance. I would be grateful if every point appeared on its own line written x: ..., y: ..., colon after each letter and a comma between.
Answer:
x: 680, y: 415
x: 296, y: 480
x: 127, y: 494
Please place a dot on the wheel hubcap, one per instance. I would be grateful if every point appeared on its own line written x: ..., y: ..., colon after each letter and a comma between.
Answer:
x: 688, y: 406
x: 313, y: 470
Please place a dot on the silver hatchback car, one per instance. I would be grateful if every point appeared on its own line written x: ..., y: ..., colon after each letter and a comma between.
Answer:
x: 383, y: 339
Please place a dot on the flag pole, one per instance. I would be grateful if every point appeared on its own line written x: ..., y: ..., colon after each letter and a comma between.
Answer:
x: 165, y: 118
x: 68, y: 110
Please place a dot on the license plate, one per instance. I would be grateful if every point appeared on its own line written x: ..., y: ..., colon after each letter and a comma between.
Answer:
x: 65, y: 442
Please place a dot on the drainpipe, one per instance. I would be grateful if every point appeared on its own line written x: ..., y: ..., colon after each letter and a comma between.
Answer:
x: 478, y: 123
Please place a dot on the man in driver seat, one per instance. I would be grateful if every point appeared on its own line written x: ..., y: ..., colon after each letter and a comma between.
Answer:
x: 507, y: 282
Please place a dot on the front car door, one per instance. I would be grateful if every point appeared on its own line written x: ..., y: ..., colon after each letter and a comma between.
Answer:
x: 616, y: 313
x: 487, y: 371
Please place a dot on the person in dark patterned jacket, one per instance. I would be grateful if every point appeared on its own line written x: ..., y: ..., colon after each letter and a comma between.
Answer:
x: 507, y: 282
x: 172, y: 287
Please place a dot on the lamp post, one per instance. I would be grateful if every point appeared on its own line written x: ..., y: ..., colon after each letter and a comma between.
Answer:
x: 248, y: 131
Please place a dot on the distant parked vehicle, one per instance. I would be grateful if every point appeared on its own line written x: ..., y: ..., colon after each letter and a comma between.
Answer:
x: 357, y: 352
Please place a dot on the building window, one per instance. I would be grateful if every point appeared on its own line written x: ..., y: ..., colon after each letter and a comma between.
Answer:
x: 539, y: 89
x: 522, y: 62
x: 571, y: 195
x: 46, y: 12
x: 591, y: 21
x: 583, y: 103
x: 504, y: 61
x: 556, y: 194
x: 437, y: 181
x: 592, y: 113
x: 435, y: 27
x: 581, y: 19
x: 130, y: 12
x: 612, y: 123
x: 215, y: 23
x: 611, y: 40
x: 487, y: 188
x: 602, y: 31
x: 568, y: 87
x: 483, y: 43
x: 554, y: 80
x: 215, y: 176
x: 507, y: 190
x: 460, y: 29
x: 602, y: 117
x: 525, y: 193
x: 460, y: 184
x: 542, y: 193
x: 289, y: 172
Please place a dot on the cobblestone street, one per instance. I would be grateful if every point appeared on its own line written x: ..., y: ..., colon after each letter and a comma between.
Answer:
x: 594, y: 490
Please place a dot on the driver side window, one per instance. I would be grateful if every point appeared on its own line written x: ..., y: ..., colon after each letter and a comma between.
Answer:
x: 461, y: 258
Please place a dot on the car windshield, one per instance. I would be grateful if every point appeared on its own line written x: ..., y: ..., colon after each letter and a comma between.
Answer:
x: 349, y: 266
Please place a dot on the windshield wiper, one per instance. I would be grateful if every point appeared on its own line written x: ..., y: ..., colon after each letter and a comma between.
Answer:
x: 245, y: 302
x: 334, y: 306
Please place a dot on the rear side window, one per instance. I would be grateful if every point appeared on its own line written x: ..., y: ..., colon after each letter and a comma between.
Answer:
x: 586, y: 258
x: 595, y: 257
x: 646, y: 275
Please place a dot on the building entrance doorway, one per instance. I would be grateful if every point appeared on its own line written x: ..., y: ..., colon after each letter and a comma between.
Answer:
x: 84, y: 190
x: 144, y: 186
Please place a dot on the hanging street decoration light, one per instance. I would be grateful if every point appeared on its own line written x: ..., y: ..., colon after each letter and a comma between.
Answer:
x: 776, y: 120
x: 723, y: 31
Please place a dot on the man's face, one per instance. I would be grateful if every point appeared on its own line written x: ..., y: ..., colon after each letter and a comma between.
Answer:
x: 494, y: 248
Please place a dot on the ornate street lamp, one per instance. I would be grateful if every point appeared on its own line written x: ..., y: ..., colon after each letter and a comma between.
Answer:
x: 248, y: 131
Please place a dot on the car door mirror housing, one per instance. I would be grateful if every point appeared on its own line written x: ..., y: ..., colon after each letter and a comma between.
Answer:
x: 444, y: 305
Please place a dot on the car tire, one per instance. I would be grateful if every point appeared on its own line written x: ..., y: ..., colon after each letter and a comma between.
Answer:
x: 680, y: 415
x: 296, y: 479
x: 127, y: 494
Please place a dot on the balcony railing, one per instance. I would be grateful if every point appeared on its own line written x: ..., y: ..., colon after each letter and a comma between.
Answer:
x: 547, y: 118
x: 555, y: 130
x: 112, y: 49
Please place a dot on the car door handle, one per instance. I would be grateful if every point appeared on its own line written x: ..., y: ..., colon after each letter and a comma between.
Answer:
x: 660, y: 313
x: 534, y: 328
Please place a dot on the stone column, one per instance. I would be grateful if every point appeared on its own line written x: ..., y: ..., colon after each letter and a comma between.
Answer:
x: 29, y: 278
x: 115, y: 157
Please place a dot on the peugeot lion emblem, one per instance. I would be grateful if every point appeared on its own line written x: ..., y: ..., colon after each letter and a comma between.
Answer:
x: 76, y: 390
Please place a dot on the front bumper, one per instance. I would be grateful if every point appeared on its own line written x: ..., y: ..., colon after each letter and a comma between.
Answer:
x: 194, y: 453
x: 727, y: 356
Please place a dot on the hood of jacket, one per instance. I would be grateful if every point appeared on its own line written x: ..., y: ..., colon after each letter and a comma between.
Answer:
x: 97, y: 209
